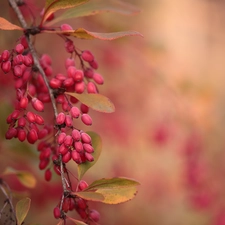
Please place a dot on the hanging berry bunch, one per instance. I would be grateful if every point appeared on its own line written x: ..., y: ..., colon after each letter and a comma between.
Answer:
x: 70, y: 95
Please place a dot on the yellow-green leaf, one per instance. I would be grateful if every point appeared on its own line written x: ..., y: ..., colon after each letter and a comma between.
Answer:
x: 6, y: 25
x: 22, y: 208
x: 25, y: 178
x: 52, y: 6
x: 90, y: 196
x: 97, y: 6
x: 88, y: 35
x: 114, y: 190
x: 97, y: 102
x: 77, y: 222
x: 97, y: 145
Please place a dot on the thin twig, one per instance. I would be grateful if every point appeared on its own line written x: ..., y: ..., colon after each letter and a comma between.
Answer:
x: 33, y: 53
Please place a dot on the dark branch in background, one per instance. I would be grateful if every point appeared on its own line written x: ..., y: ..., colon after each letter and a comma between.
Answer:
x: 16, y: 9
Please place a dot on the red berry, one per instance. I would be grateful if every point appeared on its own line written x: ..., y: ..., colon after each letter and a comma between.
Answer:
x: 75, y: 135
x: 6, y: 66
x: 69, y: 46
x: 85, y: 138
x: 66, y: 204
x: 84, y: 108
x: 82, y: 185
x: 66, y: 157
x: 21, y: 135
x: 94, y: 215
x: 68, y: 121
x: 68, y: 82
x: 17, y: 70
x: 71, y: 71
x: 15, y: 114
x: 57, y: 212
x: 60, y: 119
x: 61, y: 138
x: 87, y: 56
x: 60, y: 99
x: 5, y: 55
x: 78, y: 75
x: 48, y: 175
x: 18, y: 60
x: 79, y: 87
x: 81, y: 203
x: 37, y: 104
x: 32, y: 136
x: 88, y: 148
x: 11, y: 133
x: 55, y: 83
x: 89, y: 157
x: 94, y: 64
x: 69, y: 62
x: 89, y: 73
x: 86, y: 119
x: 19, y: 49
x: 21, y: 122
x: 65, y: 27
x: 91, y: 88
x: 76, y: 157
x: 31, y: 117
x: 98, y: 78
x: 46, y: 60
x: 42, y: 133
x: 28, y: 60
x: 43, y: 163
x: 74, y: 112
x: 23, y: 102
x: 23, y: 41
x: 66, y: 107
x: 63, y: 149
x: 68, y: 141
x: 78, y: 146
x: 60, y: 77
x: 39, y: 120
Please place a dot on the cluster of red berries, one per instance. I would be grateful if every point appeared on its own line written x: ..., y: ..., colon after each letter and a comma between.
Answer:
x: 60, y: 139
x: 80, y: 205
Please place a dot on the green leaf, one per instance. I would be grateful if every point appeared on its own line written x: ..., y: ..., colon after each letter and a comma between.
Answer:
x: 114, y: 191
x: 77, y: 222
x: 52, y: 6
x: 22, y: 208
x: 97, y: 6
x: 85, y: 34
x: 97, y: 145
x: 25, y: 178
x: 95, y: 101
x: 6, y: 25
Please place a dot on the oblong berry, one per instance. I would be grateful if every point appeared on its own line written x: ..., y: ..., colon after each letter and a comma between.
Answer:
x: 65, y: 27
x: 21, y: 122
x: 88, y: 148
x: 76, y: 157
x: 68, y: 140
x: 23, y: 102
x: 94, y: 215
x: 78, y: 146
x: 74, y: 112
x: 42, y: 133
x: 39, y: 120
x: 84, y: 108
x: 11, y: 133
x: 19, y: 48
x: 76, y: 135
x: 82, y: 185
x: 32, y: 136
x: 55, y: 83
x: 91, y: 88
x: 48, y: 175
x: 86, y: 119
x: 21, y: 135
x: 17, y: 71
x: 87, y: 56
x: 69, y: 121
x: 98, y: 78
x: 63, y: 149
x: 66, y: 157
x: 89, y: 157
x: 86, y: 138
x: 94, y: 64
x: 61, y: 138
x: 79, y: 87
x: 31, y: 117
x: 78, y: 75
x: 5, y: 55
x: 6, y: 66
x: 60, y: 119
x: 69, y: 62
x: 43, y: 163
x: 37, y: 104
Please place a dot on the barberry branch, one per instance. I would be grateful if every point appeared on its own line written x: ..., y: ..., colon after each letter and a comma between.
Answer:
x: 16, y: 9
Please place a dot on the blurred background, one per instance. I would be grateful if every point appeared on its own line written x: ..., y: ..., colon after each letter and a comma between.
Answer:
x: 168, y: 128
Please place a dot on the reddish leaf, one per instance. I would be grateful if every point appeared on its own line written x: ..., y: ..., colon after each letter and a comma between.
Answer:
x: 52, y: 6
x: 22, y: 208
x: 6, y: 25
x: 95, y: 101
x: 85, y: 34
x: 97, y: 145
x: 97, y: 6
